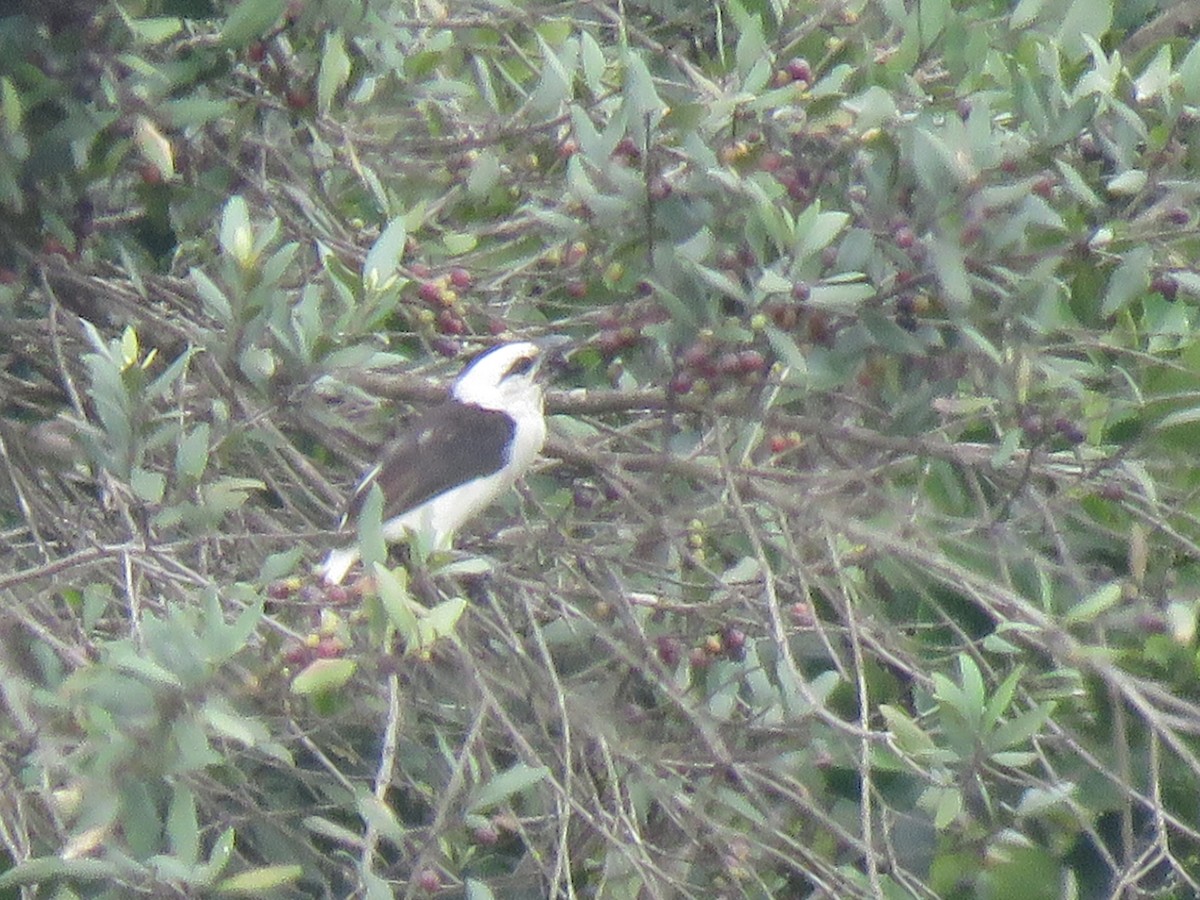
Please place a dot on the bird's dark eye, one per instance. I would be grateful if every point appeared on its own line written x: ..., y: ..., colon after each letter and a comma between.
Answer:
x: 520, y: 366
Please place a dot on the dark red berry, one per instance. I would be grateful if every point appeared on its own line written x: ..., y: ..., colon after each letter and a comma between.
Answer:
x: 729, y: 364
x: 670, y: 650
x: 770, y: 162
x: 751, y: 362
x: 449, y: 322
x: 447, y: 347
x: 626, y: 148
x: 280, y: 590
x: 681, y: 383
x: 799, y: 70
x: 429, y: 881
x: 1165, y: 285
x: 905, y: 237
x: 430, y: 292
x: 658, y: 188
x: 330, y: 648
x: 461, y: 278
x: 487, y: 834
x: 336, y: 594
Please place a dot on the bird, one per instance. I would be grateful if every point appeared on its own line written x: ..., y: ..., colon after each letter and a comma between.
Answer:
x: 457, y: 457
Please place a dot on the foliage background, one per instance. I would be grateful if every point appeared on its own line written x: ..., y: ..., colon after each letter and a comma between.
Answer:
x: 863, y: 558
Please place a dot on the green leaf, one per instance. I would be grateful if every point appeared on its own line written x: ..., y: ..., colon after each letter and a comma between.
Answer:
x: 369, y: 528
x: 1188, y: 74
x: 383, y: 259
x: 323, y: 675
x: 974, y: 696
x: 335, y: 70
x: 11, y: 109
x: 1103, y: 598
x: 249, y: 21
x: 478, y: 890
x: 237, y: 237
x: 257, y: 882
x: 381, y: 817
x: 125, y: 659
x: 1131, y: 278
x: 191, y: 456
x: 787, y: 351
x: 397, y: 604
x: 909, y: 736
x: 1021, y: 728
x: 440, y: 621
x: 216, y: 304
x: 504, y: 785
x: 148, y: 486
x: 41, y: 869
x: 1000, y: 700
x: 218, y: 859
x: 183, y: 827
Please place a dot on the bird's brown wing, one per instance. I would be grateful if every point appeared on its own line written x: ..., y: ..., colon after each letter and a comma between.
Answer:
x: 446, y: 446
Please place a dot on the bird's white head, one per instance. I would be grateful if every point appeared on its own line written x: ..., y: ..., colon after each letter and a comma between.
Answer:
x: 503, y: 378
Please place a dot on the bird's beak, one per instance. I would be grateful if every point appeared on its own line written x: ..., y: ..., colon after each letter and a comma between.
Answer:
x: 552, y: 349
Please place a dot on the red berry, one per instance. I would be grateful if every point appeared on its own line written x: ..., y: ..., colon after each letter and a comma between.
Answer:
x: 446, y: 347
x: 488, y: 835
x: 801, y: 291
x: 799, y: 70
x: 461, y: 278
x: 699, y: 658
x: 279, y: 590
x: 670, y: 650
x: 770, y: 161
x: 330, y: 648
x: 697, y: 356
x: 430, y: 292
x: 429, y: 881
x: 681, y: 383
x: 779, y: 443
x: 905, y: 237
x: 802, y: 613
x: 568, y: 148
x: 298, y: 98
x: 336, y: 594
x: 729, y: 364
x: 451, y: 323
x: 297, y: 654
x: 420, y: 270
x: 734, y: 640
x: 627, y: 148
x: 751, y: 362
x: 659, y: 188
x: 1178, y: 216
x: 52, y: 245
x: 576, y: 253
x: 1044, y: 187
x: 577, y: 288
x: 256, y: 52
x: 1165, y: 285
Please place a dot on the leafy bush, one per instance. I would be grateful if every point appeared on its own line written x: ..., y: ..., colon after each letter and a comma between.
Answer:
x: 862, y: 558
